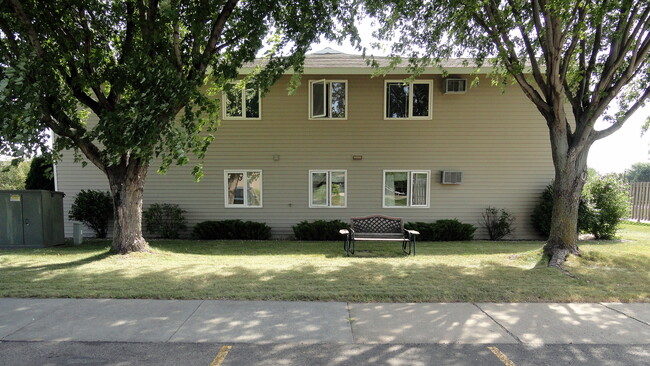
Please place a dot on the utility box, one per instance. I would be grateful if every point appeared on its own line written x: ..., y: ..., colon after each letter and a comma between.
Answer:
x: 31, y: 219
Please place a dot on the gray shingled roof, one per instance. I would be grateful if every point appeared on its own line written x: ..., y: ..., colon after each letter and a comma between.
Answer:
x: 332, y: 61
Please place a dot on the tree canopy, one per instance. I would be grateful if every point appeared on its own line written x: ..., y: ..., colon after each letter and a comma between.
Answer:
x: 638, y: 172
x: 575, y: 60
x: 147, y: 71
x: 136, y: 65
x: 13, y: 176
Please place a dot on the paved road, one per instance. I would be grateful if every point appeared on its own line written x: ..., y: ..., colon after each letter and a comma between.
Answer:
x: 175, y: 354
x: 141, y: 332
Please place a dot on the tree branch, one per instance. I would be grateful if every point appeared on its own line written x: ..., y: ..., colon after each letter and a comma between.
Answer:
x: 32, y: 34
x: 177, y: 47
x: 614, y: 59
x: 537, y: 73
x: 584, y: 85
x: 602, y: 100
x: 597, y: 135
x: 528, y: 89
x: 63, y: 126
x: 76, y: 89
x: 215, y: 34
x: 11, y: 40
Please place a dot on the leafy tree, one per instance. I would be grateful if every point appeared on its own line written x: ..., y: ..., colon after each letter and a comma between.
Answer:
x: 12, y: 176
x: 40, y: 175
x: 592, y: 55
x: 141, y: 68
x: 639, y: 172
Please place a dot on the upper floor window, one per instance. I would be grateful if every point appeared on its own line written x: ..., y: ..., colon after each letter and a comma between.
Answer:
x: 242, y: 103
x: 243, y: 188
x: 327, y: 188
x: 408, y: 100
x: 406, y: 188
x: 328, y: 99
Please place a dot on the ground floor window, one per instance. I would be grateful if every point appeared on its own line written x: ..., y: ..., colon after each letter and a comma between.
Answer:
x: 327, y: 188
x: 243, y: 188
x: 406, y: 188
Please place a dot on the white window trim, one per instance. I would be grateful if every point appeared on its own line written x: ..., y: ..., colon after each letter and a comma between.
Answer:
x: 245, y: 172
x: 456, y: 79
x: 329, y: 188
x: 408, y: 183
x: 410, y: 111
x: 224, y: 104
x: 310, y: 106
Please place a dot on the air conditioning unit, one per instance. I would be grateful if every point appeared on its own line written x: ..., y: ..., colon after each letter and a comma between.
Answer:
x: 451, y: 177
x: 455, y: 86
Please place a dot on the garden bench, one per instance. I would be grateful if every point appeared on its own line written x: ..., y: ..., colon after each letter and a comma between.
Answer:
x: 378, y: 228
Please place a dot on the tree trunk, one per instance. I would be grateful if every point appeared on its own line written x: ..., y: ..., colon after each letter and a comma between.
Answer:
x: 570, y: 161
x: 127, y: 185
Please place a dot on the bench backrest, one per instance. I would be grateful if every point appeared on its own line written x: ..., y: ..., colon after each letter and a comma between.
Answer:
x: 377, y: 224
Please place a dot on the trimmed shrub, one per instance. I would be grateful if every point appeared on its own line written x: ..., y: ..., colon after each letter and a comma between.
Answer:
x: 164, y: 219
x: 40, y: 175
x: 94, y: 208
x: 231, y: 230
x: 541, y: 217
x: 442, y: 230
x: 319, y: 230
x: 609, y: 201
x: 498, y: 222
x: 452, y: 230
x: 425, y: 229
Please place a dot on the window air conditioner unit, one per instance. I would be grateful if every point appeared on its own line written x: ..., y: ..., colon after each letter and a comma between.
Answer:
x: 449, y: 177
x: 455, y: 86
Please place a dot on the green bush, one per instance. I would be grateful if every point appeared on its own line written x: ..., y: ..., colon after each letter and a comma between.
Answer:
x: 442, y: 230
x: 541, y: 217
x: 609, y: 201
x: 425, y: 229
x: 93, y: 208
x: 497, y: 222
x: 231, y: 230
x: 452, y: 230
x: 164, y: 219
x: 40, y: 175
x: 319, y: 230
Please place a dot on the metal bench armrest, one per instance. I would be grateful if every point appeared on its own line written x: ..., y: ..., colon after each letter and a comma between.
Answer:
x: 412, y: 232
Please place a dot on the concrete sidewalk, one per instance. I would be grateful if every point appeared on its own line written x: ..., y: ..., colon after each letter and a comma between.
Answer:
x: 262, y: 322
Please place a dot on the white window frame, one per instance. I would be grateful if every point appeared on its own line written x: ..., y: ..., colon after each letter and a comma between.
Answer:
x: 410, y: 109
x: 328, y: 103
x: 224, y: 104
x: 408, y: 184
x: 245, y: 174
x: 329, y: 188
x: 455, y: 92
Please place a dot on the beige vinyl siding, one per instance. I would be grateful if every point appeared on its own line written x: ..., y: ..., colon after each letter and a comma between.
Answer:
x: 499, y: 140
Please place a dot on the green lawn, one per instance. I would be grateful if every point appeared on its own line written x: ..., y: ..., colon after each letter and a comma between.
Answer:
x: 478, y: 271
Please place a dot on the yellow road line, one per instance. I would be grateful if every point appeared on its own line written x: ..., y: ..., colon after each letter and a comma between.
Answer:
x: 497, y: 352
x: 221, y: 355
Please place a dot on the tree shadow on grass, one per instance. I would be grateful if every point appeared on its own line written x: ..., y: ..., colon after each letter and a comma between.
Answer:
x: 361, y: 281
x: 331, y: 249
x: 73, y: 264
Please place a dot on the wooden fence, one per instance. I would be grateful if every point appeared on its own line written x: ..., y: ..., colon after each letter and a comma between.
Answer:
x: 640, y: 193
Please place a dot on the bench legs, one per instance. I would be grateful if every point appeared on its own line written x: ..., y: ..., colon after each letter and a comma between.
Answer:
x: 410, y: 243
x: 348, y: 246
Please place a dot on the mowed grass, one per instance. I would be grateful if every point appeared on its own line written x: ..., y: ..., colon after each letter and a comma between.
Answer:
x: 477, y: 271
